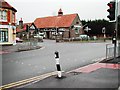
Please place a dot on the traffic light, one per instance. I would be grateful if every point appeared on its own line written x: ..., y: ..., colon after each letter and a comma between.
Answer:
x: 111, y: 10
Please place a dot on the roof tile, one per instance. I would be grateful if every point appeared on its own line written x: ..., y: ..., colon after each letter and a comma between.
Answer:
x: 4, y: 4
x: 55, y: 21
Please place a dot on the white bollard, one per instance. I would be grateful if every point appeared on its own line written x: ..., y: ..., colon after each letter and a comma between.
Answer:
x: 58, y: 64
x: 119, y: 88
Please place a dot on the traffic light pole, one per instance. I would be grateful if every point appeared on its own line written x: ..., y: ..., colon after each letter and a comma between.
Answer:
x: 116, y: 27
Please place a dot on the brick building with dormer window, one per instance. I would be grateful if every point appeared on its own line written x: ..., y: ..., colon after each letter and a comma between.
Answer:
x: 63, y: 25
x: 7, y: 23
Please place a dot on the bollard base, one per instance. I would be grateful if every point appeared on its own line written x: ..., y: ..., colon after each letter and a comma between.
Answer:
x: 62, y: 77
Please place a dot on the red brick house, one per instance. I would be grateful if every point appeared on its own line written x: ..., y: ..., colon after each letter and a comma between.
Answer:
x: 52, y: 26
x: 7, y: 23
x: 63, y: 25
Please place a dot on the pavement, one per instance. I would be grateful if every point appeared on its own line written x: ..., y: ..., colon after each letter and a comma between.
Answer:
x: 101, y: 75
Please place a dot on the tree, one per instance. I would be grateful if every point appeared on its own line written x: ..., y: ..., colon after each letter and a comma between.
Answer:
x: 97, y: 25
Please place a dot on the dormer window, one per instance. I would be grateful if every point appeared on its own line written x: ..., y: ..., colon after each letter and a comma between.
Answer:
x: 3, y: 15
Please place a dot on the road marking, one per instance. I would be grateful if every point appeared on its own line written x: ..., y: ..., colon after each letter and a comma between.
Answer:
x: 26, y: 81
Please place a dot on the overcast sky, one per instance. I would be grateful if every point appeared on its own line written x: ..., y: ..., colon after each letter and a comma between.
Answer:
x: 29, y: 10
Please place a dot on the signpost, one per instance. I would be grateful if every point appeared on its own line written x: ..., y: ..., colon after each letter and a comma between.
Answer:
x: 104, y: 31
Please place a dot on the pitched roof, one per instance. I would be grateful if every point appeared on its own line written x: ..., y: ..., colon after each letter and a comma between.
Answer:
x: 4, y: 4
x: 55, y: 21
x: 24, y: 27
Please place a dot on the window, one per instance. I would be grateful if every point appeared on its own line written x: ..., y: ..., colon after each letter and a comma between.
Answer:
x: 77, y: 30
x: 3, y: 35
x: 3, y: 15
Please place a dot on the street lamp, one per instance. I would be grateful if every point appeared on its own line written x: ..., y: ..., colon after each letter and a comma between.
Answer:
x: 14, y: 35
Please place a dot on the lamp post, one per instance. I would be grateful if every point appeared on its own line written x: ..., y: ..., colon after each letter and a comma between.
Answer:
x: 14, y: 35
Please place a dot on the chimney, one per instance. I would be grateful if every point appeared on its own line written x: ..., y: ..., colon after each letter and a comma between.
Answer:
x: 60, y: 13
x: 21, y: 23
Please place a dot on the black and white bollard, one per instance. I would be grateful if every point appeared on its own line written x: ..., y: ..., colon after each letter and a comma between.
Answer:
x: 58, y: 64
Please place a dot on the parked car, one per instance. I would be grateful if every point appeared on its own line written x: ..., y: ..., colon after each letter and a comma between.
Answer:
x: 39, y: 37
x: 83, y: 37
x: 18, y: 40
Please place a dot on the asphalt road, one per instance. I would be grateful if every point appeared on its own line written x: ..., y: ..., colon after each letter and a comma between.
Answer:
x: 22, y: 65
x: 103, y: 79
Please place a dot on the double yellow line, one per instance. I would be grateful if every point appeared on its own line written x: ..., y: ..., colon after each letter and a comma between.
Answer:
x: 26, y: 81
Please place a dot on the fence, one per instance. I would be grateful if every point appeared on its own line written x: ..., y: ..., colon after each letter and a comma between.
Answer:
x: 110, y: 51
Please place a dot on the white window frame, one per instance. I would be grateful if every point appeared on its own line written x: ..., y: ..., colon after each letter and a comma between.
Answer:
x: 77, y: 31
x: 3, y: 15
x: 3, y: 34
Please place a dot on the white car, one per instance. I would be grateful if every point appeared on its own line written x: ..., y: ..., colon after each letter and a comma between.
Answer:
x: 83, y: 37
x: 19, y: 40
x: 40, y: 38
